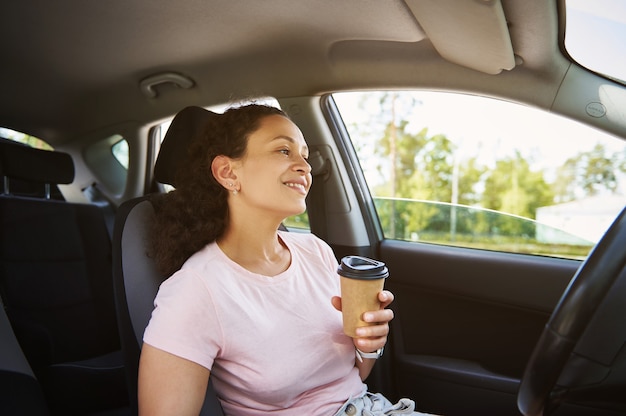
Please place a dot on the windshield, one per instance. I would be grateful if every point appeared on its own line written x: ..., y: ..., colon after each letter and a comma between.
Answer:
x: 595, y: 36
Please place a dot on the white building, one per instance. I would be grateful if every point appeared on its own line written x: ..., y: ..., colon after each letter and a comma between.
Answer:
x: 587, y: 218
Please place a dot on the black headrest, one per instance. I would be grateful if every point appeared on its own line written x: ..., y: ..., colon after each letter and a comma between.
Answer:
x: 189, y: 123
x: 18, y: 161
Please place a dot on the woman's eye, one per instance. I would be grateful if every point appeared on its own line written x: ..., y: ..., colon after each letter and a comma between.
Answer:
x: 284, y: 151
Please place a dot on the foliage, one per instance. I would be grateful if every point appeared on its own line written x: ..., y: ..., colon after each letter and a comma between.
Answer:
x: 298, y: 221
x: 503, y: 235
x: 31, y: 141
x: 413, y: 166
x: 589, y: 173
x: 514, y: 188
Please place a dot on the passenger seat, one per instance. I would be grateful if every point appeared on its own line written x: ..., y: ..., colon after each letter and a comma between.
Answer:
x: 56, y: 284
x: 136, y: 277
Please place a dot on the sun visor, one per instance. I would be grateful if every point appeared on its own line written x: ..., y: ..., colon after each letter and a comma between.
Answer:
x: 470, y: 33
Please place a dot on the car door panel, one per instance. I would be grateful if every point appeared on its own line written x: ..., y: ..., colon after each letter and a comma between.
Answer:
x: 467, y: 321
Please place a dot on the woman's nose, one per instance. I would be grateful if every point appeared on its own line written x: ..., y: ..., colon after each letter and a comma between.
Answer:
x: 303, y: 165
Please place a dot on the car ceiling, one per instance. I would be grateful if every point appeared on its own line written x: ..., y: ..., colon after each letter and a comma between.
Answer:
x: 73, y: 67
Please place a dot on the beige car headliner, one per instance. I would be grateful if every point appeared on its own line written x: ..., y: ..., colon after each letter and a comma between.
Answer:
x: 72, y: 67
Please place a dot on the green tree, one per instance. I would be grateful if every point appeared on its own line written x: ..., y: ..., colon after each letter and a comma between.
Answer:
x: 470, y: 174
x: 565, y: 184
x: 411, y: 166
x: 598, y: 170
x: 514, y: 188
x: 589, y: 173
x: 396, y: 149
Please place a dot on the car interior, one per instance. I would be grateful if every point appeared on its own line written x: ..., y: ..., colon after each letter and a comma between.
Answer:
x: 477, y: 148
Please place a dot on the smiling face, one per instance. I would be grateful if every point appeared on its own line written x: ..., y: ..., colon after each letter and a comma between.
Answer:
x: 274, y: 174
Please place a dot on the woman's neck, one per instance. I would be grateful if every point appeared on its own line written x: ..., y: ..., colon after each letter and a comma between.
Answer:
x: 258, y: 250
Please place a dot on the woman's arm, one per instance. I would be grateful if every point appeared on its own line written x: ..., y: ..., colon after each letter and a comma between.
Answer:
x: 170, y: 385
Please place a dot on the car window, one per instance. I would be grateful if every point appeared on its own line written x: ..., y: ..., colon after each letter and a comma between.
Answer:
x: 594, y: 35
x: 476, y: 172
x: 297, y: 222
x: 23, y: 138
x: 108, y: 159
x: 120, y: 151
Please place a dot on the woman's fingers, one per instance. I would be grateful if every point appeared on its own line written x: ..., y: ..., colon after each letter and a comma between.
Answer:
x: 385, y: 297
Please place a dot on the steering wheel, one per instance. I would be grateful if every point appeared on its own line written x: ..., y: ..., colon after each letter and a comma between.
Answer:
x: 586, y: 291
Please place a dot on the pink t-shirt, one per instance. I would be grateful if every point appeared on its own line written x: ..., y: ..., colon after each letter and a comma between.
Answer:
x: 274, y: 345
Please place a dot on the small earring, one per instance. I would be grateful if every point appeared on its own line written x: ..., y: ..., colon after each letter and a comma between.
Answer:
x: 235, y: 192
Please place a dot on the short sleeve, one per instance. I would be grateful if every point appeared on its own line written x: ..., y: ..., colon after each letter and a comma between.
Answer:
x: 184, y: 322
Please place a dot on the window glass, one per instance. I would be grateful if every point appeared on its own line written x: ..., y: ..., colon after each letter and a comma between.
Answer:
x: 298, y: 222
x: 31, y: 141
x: 595, y: 35
x: 108, y: 159
x: 120, y: 151
x: 475, y: 172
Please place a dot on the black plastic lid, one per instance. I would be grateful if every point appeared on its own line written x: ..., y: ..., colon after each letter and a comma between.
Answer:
x: 357, y: 267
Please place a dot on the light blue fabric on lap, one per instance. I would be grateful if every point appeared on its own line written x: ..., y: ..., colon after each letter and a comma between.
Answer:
x: 371, y: 404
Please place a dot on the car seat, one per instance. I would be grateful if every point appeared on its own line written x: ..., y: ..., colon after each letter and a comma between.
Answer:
x: 136, y: 277
x: 56, y: 283
x: 20, y: 392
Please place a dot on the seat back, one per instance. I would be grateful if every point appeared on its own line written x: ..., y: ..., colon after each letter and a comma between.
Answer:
x: 56, y: 283
x: 136, y: 277
x: 20, y: 393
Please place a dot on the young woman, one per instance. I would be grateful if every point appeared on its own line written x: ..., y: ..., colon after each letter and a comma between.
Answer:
x: 255, y: 309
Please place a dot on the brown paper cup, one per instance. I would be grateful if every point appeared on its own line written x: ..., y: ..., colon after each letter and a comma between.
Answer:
x: 358, y: 297
x: 361, y: 281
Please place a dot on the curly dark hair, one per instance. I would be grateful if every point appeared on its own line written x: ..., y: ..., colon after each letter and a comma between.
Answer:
x: 195, y: 213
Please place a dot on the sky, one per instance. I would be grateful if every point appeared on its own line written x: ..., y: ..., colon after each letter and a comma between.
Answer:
x: 493, y: 129
x: 596, y: 35
x: 470, y: 120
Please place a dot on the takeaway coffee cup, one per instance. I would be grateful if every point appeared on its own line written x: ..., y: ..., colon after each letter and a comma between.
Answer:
x: 361, y: 281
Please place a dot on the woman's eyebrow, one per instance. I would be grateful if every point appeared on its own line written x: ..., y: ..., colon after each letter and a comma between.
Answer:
x: 291, y: 140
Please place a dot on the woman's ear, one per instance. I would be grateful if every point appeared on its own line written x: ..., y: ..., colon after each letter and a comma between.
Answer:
x: 222, y: 169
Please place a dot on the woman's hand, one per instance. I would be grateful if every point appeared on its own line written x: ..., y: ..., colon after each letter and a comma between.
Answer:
x: 373, y: 337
